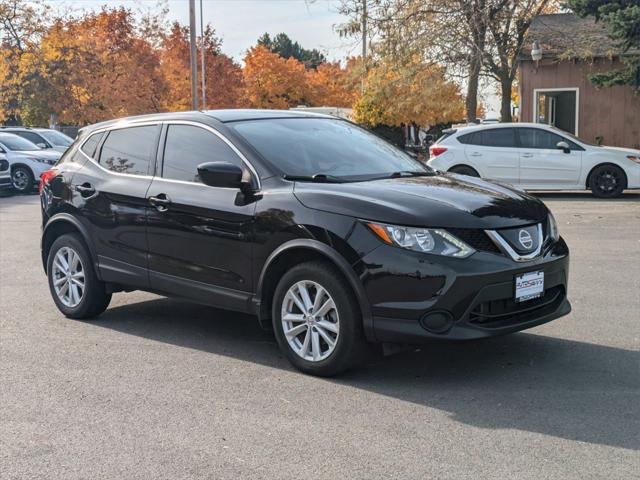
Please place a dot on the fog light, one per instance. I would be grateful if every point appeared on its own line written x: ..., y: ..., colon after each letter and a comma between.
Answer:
x: 437, y: 322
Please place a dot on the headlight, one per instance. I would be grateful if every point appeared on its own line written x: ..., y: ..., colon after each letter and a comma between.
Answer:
x: 39, y: 160
x: 553, y: 227
x: 427, y: 240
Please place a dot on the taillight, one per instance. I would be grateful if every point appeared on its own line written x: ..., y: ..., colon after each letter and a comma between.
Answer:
x: 434, y: 150
x: 45, y: 178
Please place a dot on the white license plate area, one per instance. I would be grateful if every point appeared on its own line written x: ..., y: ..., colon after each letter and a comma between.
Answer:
x: 529, y: 285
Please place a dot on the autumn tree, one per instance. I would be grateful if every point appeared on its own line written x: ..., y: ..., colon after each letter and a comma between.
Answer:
x: 414, y: 93
x: 224, y: 76
x: 287, y: 48
x: 273, y: 82
x: 333, y: 85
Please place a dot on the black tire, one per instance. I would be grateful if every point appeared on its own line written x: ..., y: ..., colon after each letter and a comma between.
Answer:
x: 94, y: 298
x: 464, y: 170
x: 607, y: 181
x: 351, y: 347
x: 22, y: 180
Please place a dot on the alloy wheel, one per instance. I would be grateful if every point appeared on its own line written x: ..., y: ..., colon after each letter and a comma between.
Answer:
x: 20, y: 179
x: 607, y: 181
x: 310, y: 321
x: 68, y: 277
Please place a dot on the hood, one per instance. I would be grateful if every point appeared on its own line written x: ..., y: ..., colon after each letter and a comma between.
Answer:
x: 624, y: 151
x: 446, y: 200
x: 48, y: 154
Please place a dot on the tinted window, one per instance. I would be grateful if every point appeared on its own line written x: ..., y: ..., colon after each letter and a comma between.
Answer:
x: 32, y: 137
x: 188, y: 146
x: 129, y: 150
x: 536, y: 138
x: 89, y: 147
x: 16, y: 143
x: 470, y: 138
x: 56, y: 138
x: 310, y: 146
x: 498, y: 137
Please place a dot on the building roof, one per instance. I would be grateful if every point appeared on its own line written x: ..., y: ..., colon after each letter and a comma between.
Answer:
x: 565, y: 35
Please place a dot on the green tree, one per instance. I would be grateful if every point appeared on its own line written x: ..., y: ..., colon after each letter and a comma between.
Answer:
x: 623, y: 20
x: 287, y: 48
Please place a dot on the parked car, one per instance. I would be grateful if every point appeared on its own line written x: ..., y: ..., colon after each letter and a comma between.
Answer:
x: 5, y: 174
x: 26, y: 160
x: 42, y: 137
x: 536, y: 157
x: 330, y: 235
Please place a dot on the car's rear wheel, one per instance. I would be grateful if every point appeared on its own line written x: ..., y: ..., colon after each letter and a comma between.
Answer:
x: 316, y: 321
x: 607, y: 181
x: 22, y: 179
x: 464, y: 170
x: 73, y: 283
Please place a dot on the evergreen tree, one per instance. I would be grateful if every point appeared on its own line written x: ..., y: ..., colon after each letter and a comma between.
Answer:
x: 623, y: 21
x: 287, y: 48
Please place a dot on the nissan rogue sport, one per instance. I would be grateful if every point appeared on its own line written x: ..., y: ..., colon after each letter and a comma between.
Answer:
x: 331, y: 236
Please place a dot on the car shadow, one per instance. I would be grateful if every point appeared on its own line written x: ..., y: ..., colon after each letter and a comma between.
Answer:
x: 563, y: 388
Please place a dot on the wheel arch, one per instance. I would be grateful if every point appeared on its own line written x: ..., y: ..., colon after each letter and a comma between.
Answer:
x: 609, y: 164
x: 13, y: 166
x: 462, y: 165
x: 302, y: 250
x: 58, y: 225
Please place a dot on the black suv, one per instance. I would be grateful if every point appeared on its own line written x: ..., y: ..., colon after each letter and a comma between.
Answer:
x: 330, y: 235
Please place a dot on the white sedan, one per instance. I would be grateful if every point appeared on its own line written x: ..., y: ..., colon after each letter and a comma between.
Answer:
x: 536, y: 157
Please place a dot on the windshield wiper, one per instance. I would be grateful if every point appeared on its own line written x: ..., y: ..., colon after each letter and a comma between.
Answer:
x: 411, y: 173
x: 317, y: 178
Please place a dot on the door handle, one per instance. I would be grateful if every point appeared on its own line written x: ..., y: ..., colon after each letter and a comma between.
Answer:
x: 161, y: 202
x: 527, y: 155
x: 475, y: 154
x: 86, y: 189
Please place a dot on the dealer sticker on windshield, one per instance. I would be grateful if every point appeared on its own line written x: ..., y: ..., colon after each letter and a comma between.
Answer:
x: 529, y: 286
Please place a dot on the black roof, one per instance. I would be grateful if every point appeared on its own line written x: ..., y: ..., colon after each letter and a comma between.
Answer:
x: 229, y: 115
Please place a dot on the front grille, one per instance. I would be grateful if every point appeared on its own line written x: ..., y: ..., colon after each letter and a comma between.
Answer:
x: 505, y: 311
x: 475, y: 238
x: 4, y: 165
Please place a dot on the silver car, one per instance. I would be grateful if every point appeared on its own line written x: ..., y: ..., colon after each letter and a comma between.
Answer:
x: 44, y: 138
x: 5, y: 173
x: 26, y: 161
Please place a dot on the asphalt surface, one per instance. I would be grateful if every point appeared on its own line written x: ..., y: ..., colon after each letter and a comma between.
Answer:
x: 159, y: 388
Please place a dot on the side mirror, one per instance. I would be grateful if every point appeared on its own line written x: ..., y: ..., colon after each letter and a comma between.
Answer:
x: 42, y: 145
x: 221, y: 174
x: 564, y: 146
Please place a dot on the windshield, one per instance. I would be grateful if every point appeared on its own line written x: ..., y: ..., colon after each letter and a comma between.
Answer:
x: 321, y: 146
x: 16, y: 143
x: 56, y: 138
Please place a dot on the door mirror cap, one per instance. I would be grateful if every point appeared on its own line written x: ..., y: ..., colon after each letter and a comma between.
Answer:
x: 564, y: 146
x: 42, y: 145
x: 221, y: 174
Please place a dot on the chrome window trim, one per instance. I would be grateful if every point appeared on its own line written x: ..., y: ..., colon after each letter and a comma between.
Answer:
x: 119, y: 126
x: 504, y: 246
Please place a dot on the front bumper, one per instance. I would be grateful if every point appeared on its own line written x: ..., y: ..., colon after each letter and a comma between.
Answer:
x: 5, y: 182
x: 475, y: 295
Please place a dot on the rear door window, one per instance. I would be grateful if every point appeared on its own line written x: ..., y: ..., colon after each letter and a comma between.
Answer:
x: 498, y: 137
x: 130, y: 150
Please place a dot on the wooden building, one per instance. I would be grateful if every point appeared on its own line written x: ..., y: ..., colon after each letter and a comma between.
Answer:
x: 556, y: 89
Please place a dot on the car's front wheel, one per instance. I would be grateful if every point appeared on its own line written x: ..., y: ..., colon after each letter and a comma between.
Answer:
x: 22, y: 180
x: 74, y: 286
x: 607, y: 181
x: 316, y: 321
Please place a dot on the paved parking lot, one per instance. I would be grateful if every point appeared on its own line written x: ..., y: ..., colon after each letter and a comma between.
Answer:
x: 159, y: 388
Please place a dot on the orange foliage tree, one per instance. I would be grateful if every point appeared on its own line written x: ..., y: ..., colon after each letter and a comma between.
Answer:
x: 224, y: 88
x: 413, y: 93
x: 91, y: 69
x: 271, y: 81
x: 331, y: 85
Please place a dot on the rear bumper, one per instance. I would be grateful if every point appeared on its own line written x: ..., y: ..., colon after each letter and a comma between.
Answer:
x: 468, y: 298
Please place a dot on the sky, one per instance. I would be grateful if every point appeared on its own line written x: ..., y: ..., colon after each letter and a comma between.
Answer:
x: 239, y: 23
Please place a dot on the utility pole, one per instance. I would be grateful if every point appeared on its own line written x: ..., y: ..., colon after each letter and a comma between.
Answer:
x: 193, y: 55
x: 204, y: 94
x: 364, y: 44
